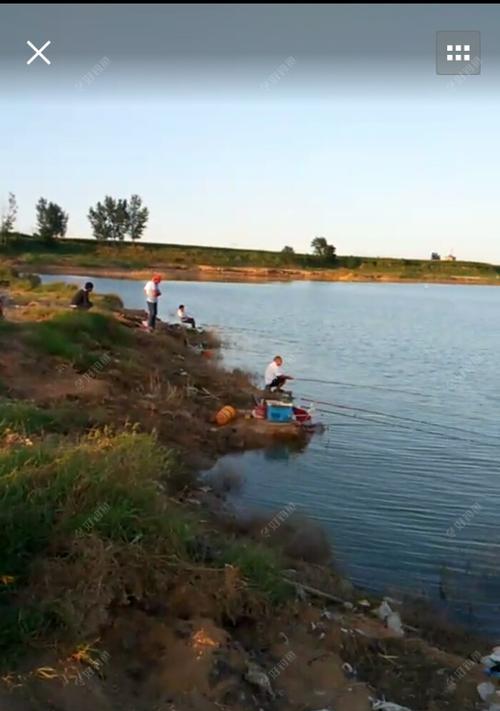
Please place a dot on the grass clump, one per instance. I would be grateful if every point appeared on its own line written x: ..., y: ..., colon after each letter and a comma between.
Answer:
x: 260, y: 566
x: 27, y: 418
x: 71, y: 512
x: 77, y: 336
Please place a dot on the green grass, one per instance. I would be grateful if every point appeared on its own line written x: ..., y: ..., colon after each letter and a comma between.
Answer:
x: 27, y: 418
x: 79, y: 337
x: 92, y: 513
x: 124, y: 255
x: 101, y: 487
x: 261, y: 566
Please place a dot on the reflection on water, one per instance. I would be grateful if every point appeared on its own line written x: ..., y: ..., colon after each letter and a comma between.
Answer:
x: 387, y: 487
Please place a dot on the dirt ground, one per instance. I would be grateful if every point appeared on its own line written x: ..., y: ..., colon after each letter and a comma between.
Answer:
x: 183, y: 653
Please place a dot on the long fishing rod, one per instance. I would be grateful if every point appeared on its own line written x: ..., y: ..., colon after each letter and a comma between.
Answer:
x: 408, y: 428
x: 365, y: 386
x: 401, y: 418
x: 400, y: 426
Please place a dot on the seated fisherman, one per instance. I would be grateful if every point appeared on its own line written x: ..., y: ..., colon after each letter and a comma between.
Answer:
x: 274, y: 376
x: 81, y: 298
x: 185, y: 317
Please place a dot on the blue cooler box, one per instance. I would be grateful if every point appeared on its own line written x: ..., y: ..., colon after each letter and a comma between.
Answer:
x: 279, y: 412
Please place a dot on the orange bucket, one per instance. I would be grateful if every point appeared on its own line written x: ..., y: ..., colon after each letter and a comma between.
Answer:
x: 225, y: 415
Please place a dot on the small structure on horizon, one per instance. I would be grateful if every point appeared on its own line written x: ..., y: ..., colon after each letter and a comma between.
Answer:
x: 450, y: 258
x: 435, y: 257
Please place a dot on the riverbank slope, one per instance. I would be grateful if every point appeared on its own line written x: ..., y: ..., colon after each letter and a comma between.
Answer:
x: 125, y: 583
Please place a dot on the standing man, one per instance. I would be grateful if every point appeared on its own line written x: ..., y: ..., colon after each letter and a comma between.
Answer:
x: 152, y: 290
x: 274, y: 376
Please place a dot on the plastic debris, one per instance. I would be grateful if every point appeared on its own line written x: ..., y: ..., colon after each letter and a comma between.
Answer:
x: 259, y: 678
x: 485, y: 690
x: 384, y: 610
x: 391, y: 619
x: 327, y: 615
x: 348, y: 670
x: 300, y: 592
x: 364, y: 603
x: 491, y: 663
x: 388, y: 706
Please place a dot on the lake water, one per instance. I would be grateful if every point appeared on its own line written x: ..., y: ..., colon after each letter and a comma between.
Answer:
x: 410, y: 497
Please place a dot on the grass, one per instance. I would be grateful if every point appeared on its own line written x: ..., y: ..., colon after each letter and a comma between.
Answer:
x: 261, y: 566
x: 123, y: 255
x: 103, y: 487
x: 78, y: 337
x: 28, y: 419
x: 83, y: 521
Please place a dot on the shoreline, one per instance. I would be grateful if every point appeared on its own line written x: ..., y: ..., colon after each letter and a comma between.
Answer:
x: 237, y: 602
x: 255, y: 275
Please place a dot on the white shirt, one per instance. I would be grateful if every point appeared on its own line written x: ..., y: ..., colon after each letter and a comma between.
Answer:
x: 152, y: 292
x: 181, y: 313
x: 273, y: 370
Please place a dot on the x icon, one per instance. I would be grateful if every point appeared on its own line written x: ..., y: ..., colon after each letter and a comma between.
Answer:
x: 38, y: 52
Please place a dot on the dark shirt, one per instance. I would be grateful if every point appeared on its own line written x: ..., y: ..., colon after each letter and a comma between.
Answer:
x: 81, y: 299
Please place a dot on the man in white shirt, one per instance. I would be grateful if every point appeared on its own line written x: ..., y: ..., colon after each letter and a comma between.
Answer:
x: 274, y: 376
x: 152, y: 290
x: 184, y: 317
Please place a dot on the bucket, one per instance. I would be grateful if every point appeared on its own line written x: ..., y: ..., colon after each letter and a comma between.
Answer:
x: 225, y: 415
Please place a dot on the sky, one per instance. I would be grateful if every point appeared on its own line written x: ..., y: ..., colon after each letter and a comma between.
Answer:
x: 355, y: 137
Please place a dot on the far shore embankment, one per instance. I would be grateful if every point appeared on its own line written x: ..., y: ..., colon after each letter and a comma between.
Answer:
x: 253, y: 274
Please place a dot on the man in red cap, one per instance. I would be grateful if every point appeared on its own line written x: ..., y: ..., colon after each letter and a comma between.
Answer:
x: 152, y: 293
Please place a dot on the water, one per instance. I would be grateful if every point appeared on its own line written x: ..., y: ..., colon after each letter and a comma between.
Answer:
x: 410, y: 506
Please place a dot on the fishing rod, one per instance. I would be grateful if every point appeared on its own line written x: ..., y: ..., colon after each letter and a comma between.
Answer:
x: 366, y: 386
x: 401, y: 418
x: 400, y: 426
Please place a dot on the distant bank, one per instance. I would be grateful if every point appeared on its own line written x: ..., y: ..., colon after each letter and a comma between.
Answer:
x: 257, y: 274
x: 186, y: 262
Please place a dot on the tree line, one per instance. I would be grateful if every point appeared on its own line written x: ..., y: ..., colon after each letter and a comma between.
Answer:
x: 112, y: 219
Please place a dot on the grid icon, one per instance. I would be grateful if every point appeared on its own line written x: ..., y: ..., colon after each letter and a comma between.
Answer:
x: 458, y: 52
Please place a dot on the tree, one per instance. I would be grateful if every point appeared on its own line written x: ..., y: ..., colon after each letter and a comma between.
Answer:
x: 118, y: 217
x: 99, y: 219
x: 52, y: 220
x: 137, y: 216
x: 287, y: 250
x: 322, y: 249
x: 115, y: 219
x: 8, y: 219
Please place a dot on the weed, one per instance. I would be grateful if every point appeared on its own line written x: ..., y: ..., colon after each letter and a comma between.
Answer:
x: 261, y: 567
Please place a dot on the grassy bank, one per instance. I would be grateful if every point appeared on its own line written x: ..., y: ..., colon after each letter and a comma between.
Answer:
x: 92, y: 255
x: 124, y: 581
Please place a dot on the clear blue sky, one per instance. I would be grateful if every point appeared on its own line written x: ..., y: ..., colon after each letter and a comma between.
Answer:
x: 393, y: 163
